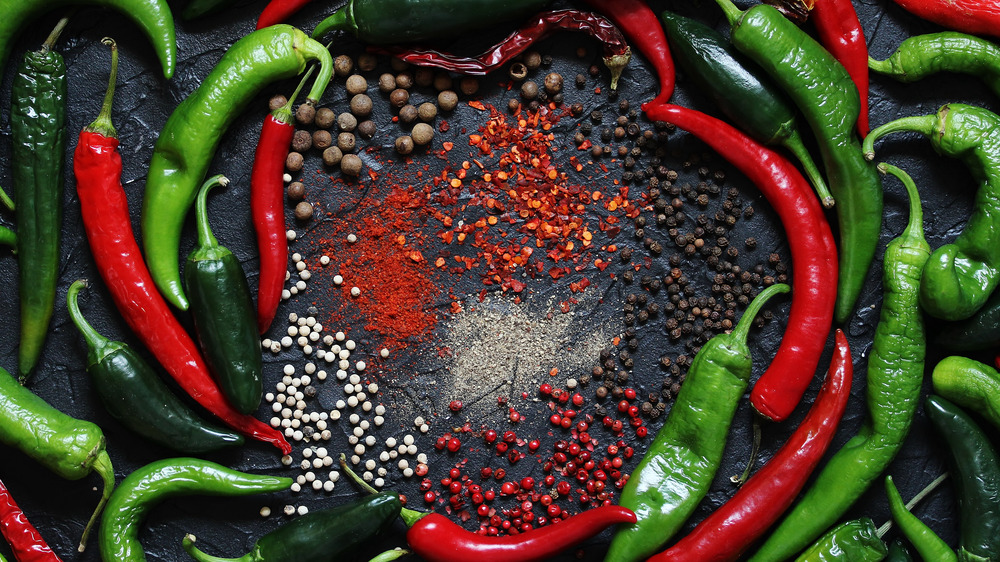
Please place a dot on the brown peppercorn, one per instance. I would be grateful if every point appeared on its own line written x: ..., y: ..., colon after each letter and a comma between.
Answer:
x: 529, y: 90
x: 367, y: 62
x: 346, y: 141
x: 447, y: 100
x: 347, y: 122
x: 399, y: 97
x: 404, y: 144
x: 553, y: 82
x: 532, y: 60
x: 442, y: 81
x: 422, y: 133
x: 423, y: 77
x: 427, y: 112
x: 398, y: 65
x: 276, y: 101
x: 386, y: 83
x: 303, y: 211
x: 332, y: 156
x: 294, y: 162
x: 305, y: 114
x: 361, y: 105
x: 469, y: 85
x: 301, y: 141
x: 596, y: 151
x: 296, y: 191
x: 325, y: 117
x: 404, y: 80
x: 408, y: 114
x: 351, y: 165
x: 513, y: 105
x: 343, y: 65
x: 366, y: 129
x: 356, y: 84
x: 322, y: 139
x: 518, y: 71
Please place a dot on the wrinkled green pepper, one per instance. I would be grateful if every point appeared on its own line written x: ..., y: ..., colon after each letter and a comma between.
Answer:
x: 853, y: 541
x: 970, y: 384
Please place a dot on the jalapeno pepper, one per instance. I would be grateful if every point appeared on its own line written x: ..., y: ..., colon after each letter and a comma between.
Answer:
x: 825, y: 94
x: 856, y: 540
x: 976, y: 466
x: 69, y: 447
x: 187, y: 143
x: 679, y: 465
x: 318, y: 536
x: 148, y: 486
x: 894, y: 377
x: 960, y: 276
x: 38, y: 130
x: 970, y: 384
x: 928, y: 544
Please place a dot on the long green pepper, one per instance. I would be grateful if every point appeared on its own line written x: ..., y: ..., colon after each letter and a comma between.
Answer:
x: 852, y: 541
x: 38, y: 130
x: 825, y: 94
x: 970, y: 384
x: 948, y: 51
x: 895, y: 374
x: 923, y: 538
x: 187, y: 143
x: 682, y: 460
x: 960, y: 276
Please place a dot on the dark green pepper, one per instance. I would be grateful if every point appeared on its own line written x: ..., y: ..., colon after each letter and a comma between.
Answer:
x: 224, y: 314
x: 136, y: 396
x: 975, y: 333
x: 898, y: 552
x: 948, y: 51
x: 960, y: 276
x: 755, y: 105
x: 923, y: 538
x: 970, y: 384
x: 976, y: 469
x: 681, y: 461
x: 399, y: 21
x: 38, y: 130
x: 853, y: 541
x: 318, y: 536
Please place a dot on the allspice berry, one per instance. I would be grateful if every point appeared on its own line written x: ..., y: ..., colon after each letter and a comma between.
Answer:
x: 532, y: 60
x: 351, y: 165
x: 343, y: 65
x: 303, y: 211
x: 553, y: 82
x: 322, y: 139
x: 356, y: 84
x: 422, y: 133
x: 332, y: 156
x: 361, y: 105
x: 424, y: 77
x: 404, y: 80
x: 447, y: 100
x: 529, y: 90
x: 325, y: 117
x: 347, y: 122
x: 469, y: 85
x: 294, y: 162
x: 305, y: 114
x: 427, y: 111
x: 367, y: 129
x: 386, y: 83
x: 408, y: 114
x: 367, y: 62
x: 296, y: 191
x: 399, y: 97
x: 404, y: 144
x: 346, y: 141
x: 301, y: 140
x: 276, y: 101
x: 442, y: 81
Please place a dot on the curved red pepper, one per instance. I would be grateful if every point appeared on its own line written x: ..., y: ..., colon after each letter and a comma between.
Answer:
x: 277, y: 11
x: 267, y: 207
x: 980, y: 17
x: 639, y: 23
x: 840, y: 32
x: 810, y: 241
x: 26, y: 543
x: 729, y: 530
x: 436, y: 538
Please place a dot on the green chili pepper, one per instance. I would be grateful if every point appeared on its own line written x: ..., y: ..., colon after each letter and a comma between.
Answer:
x: 399, y: 21
x: 224, y: 314
x: 681, y: 462
x: 828, y: 99
x: 960, y: 276
x: 152, y: 16
x: 136, y: 396
x: 318, y: 536
x: 754, y: 104
x: 975, y: 333
x: 894, y: 377
x: 852, y: 541
x: 145, y: 488
x: 8, y: 238
x: 187, y: 143
x: 69, y: 447
x: 976, y: 467
x: 38, y: 129
x: 948, y: 51
x: 898, y: 552
x: 970, y: 384
x: 928, y: 544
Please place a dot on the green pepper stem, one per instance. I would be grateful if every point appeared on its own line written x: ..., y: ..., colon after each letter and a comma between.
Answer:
x: 740, y: 479
x: 880, y: 66
x: 410, y: 516
x: 313, y: 49
x: 102, y: 125
x: 793, y: 142
x: 915, y: 226
x: 919, y: 123
x: 730, y: 10
x: 283, y: 114
x: 743, y: 326
x: 197, y: 554
x: 50, y: 41
x: 103, y: 467
x: 337, y: 20
x: 94, y: 339
x: 205, y: 237
x: 6, y: 200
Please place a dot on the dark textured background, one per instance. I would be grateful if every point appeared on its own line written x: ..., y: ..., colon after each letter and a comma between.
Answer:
x: 143, y: 102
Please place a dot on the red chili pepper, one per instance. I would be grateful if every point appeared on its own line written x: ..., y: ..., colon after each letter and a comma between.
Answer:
x: 104, y: 208
x: 436, y: 538
x: 277, y: 11
x: 814, y: 255
x: 639, y: 23
x: 968, y: 16
x: 616, y: 50
x: 840, y: 32
x: 26, y: 543
x: 729, y: 530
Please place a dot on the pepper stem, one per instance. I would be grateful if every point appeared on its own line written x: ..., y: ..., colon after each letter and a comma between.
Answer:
x: 743, y: 326
x: 94, y: 339
x: 881, y: 66
x: 730, y: 10
x: 205, y: 237
x: 740, y: 479
x: 313, y: 49
x: 919, y: 123
x: 915, y: 226
x: 913, y: 502
x: 337, y: 20
x: 103, y: 467
x: 390, y: 555
x: 793, y: 142
x: 410, y: 516
x: 102, y: 125
x: 283, y: 114
x: 50, y: 41
x: 6, y: 200
x: 616, y: 64
x: 193, y: 552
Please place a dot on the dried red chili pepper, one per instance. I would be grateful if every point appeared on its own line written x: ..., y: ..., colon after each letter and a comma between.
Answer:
x: 814, y: 255
x: 97, y: 166
x: 277, y: 11
x: 616, y: 50
x: 26, y: 543
x: 729, y: 530
x: 639, y: 23
x: 968, y: 16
